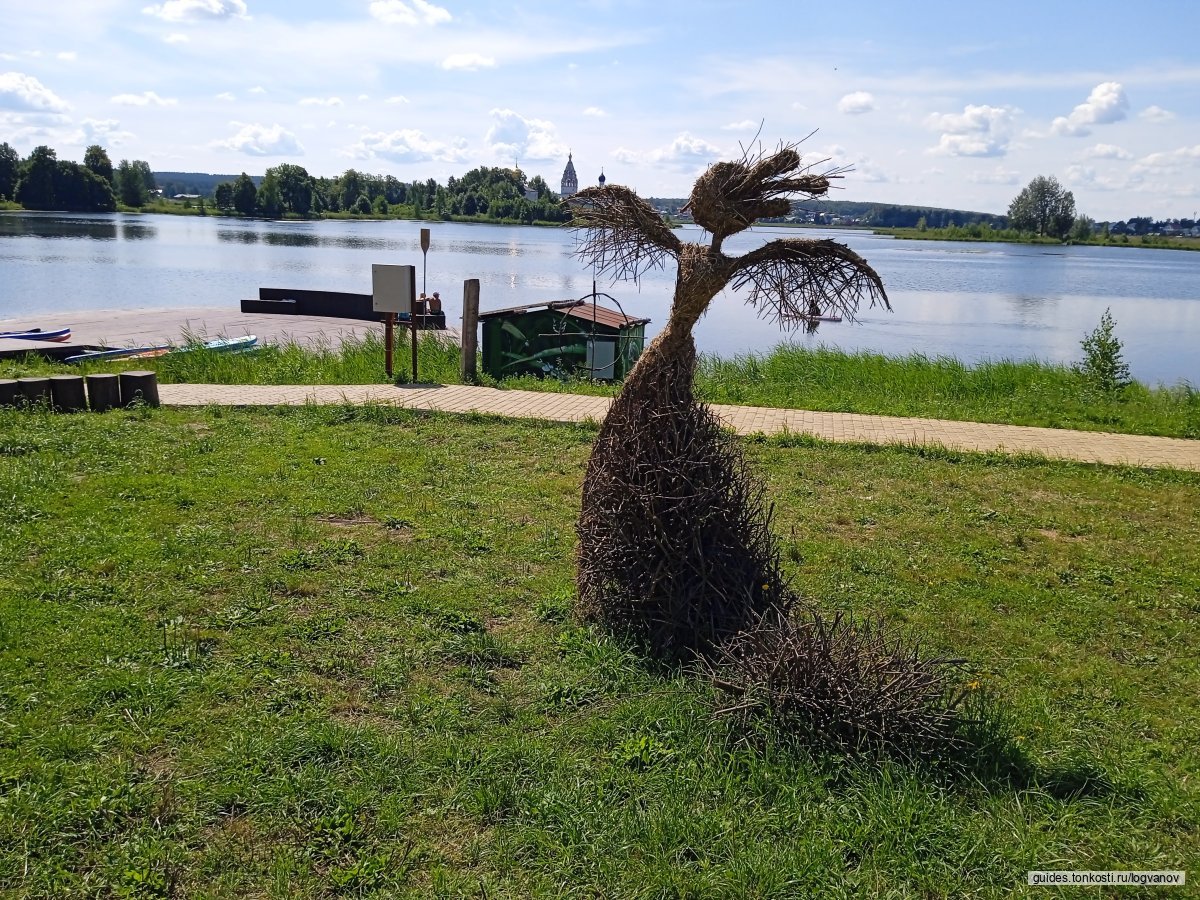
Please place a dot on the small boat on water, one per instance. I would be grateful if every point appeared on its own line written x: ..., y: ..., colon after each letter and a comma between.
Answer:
x: 37, y: 334
x: 218, y: 345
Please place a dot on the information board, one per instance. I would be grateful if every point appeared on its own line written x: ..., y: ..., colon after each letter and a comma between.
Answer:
x: 392, y: 288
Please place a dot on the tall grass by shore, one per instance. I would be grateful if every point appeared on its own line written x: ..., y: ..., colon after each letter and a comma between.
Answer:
x: 1007, y: 392
x: 1004, y: 391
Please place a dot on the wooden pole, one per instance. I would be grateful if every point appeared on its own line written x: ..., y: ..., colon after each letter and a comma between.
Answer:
x: 470, y: 325
x: 412, y: 321
x: 389, y: 321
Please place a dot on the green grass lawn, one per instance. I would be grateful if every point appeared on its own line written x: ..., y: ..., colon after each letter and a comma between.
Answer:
x: 324, y: 651
x: 1017, y: 393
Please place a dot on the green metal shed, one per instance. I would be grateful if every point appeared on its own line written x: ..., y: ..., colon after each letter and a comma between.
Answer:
x: 561, y: 339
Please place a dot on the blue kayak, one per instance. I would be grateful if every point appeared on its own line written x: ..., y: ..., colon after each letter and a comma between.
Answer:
x: 37, y: 334
x: 219, y: 345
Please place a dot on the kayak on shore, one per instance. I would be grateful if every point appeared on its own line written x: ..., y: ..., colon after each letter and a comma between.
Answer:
x: 219, y: 345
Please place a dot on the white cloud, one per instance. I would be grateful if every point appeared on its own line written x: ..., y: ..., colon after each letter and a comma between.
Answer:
x: 363, y: 97
x: 260, y: 140
x: 1156, y: 114
x: 1106, y: 103
x: 399, y: 98
x: 998, y: 175
x: 412, y: 12
x: 146, y: 98
x: 100, y: 131
x: 976, y: 131
x: 197, y: 10
x: 1107, y: 151
x: 1089, y: 178
x: 407, y: 146
x: 1170, y: 159
x: 24, y: 93
x: 257, y: 89
x: 595, y: 112
x: 685, y: 152
x: 468, y: 62
x: 624, y: 155
x: 513, y: 136
x: 176, y: 38
x: 856, y: 104
x: 322, y: 101
x: 744, y: 125
x: 226, y: 96
x: 67, y: 56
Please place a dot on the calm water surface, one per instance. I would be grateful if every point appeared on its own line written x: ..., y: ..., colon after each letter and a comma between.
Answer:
x: 971, y: 301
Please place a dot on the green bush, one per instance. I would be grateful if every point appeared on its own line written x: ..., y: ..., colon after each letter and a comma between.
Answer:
x: 1103, y: 366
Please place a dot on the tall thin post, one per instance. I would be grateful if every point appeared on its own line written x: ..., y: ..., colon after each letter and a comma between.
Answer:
x: 424, y: 257
x: 412, y: 320
x: 389, y: 321
x: 470, y: 324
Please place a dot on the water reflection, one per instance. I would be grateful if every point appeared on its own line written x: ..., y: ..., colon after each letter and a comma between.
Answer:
x: 138, y: 231
x: 237, y: 236
x: 1032, y: 311
x: 68, y: 227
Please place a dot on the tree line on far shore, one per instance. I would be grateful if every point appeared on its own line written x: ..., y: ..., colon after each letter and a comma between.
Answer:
x: 496, y: 194
x: 43, y: 181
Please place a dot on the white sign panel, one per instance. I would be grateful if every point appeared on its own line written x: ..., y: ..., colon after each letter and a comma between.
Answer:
x: 392, y: 288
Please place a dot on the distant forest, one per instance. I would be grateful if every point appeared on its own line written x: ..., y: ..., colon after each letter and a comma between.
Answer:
x: 880, y: 215
x: 851, y: 212
x: 201, y: 183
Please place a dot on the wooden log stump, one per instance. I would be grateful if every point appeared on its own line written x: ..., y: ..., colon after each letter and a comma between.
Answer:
x: 10, y: 392
x: 66, y: 391
x: 470, y: 330
x: 104, y: 392
x: 140, y: 385
x: 34, y: 390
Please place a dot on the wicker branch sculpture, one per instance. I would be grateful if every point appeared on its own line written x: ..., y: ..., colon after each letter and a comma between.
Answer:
x: 675, y: 548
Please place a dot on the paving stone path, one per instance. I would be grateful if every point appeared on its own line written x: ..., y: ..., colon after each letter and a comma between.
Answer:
x: 1083, y: 446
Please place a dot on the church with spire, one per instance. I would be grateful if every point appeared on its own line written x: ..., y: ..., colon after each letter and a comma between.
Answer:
x: 570, y: 182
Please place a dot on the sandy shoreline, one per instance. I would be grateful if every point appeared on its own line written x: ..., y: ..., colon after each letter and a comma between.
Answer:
x: 146, y: 327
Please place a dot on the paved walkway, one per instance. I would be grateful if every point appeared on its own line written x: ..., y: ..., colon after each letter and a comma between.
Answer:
x: 1084, y: 446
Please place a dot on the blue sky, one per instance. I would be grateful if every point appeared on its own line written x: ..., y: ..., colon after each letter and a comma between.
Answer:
x: 941, y: 104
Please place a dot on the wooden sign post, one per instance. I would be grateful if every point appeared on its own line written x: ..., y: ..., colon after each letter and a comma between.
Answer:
x: 424, y: 287
x: 393, y: 291
x: 389, y: 321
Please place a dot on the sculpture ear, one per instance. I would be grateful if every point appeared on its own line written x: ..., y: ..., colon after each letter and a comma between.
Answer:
x: 793, y: 280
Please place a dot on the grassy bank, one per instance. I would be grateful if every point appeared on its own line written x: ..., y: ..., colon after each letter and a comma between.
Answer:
x: 322, y: 651
x: 1026, y: 393
x: 1012, y: 236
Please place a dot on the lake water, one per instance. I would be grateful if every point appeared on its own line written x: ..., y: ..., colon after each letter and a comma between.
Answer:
x: 970, y: 301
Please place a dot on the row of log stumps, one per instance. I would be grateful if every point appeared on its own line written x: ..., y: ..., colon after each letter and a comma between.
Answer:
x: 76, y: 393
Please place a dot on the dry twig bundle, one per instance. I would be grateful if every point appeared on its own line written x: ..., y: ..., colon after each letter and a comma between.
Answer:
x: 675, y: 547
x: 852, y: 684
